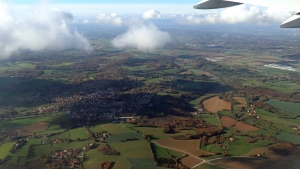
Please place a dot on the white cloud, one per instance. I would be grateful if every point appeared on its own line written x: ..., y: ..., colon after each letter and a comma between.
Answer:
x: 240, y: 14
x: 109, y: 19
x: 145, y: 38
x: 152, y: 14
x: 42, y: 28
x: 86, y: 21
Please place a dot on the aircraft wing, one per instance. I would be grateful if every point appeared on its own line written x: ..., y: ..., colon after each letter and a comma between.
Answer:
x: 289, y: 5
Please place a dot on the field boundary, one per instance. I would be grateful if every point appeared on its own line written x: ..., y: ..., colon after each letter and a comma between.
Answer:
x: 203, y: 160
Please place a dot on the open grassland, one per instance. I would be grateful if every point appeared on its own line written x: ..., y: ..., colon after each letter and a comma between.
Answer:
x: 161, y: 152
x: 32, y: 128
x: 196, y: 102
x: 157, y: 133
x: 210, y: 118
x: 20, y: 155
x: 288, y: 137
x: 134, y: 154
x: 241, y: 147
x: 215, y: 104
x: 95, y: 158
x: 4, y: 149
x: 191, y: 146
x: 241, y: 100
x: 53, y: 128
x: 72, y: 134
x: 19, y: 123
x: 293, y: 108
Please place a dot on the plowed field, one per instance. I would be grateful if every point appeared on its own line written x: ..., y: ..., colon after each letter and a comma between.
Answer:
x: 187, y: 146
x: 190, y: 161
x: 242, y: 101
x: 230, y: 122
x: 215, y: 104
x: 30, y: 129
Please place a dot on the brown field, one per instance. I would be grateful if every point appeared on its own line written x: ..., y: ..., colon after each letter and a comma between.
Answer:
x: 187, y: 146
x: 293, y: 158
x: 244, y: 127
x: 230, y: 122
x: 190, y: 161
x: 6, y: 131
x: 242, y: 101
x: 252, y: 163
x: 227, y: 121
x: 36, y: 164
x: 30, y: 129
x: 215, y: 104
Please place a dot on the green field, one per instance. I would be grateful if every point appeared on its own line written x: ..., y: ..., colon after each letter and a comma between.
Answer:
x: 210, y: 118
x: 293, y: 108
x: 19, y: 123
x: 195, y: 102
x: 4, y: 149
x: 134, y: 154
x: 157, y: 133
x: 288, y: 137
x: 241, y: 147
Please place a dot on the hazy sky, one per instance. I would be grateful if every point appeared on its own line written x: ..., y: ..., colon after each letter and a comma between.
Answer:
x: 110, y: 1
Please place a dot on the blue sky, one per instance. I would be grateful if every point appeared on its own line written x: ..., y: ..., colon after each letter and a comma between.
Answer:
x: 110, y: 1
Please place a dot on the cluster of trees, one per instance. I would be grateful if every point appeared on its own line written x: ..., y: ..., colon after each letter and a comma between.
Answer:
x: 170, y: 163
x: 129, y: 139
x: 8, y: 112
x: 108, y: 150
x: 107, y: 165
x: 282, y: 148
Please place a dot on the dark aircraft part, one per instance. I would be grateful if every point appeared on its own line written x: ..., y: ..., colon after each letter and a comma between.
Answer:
x: 292, y: 22
x: 215, y: 4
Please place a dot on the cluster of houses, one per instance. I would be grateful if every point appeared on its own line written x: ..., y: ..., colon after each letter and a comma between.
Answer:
x: 92, y: 96
x: 296, y: 128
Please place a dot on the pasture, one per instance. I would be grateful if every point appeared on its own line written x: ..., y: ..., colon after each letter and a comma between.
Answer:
x: 72, y: 134
x: 161, y: 152
x: 288, y: 137
x: 215, y: 104
x: 157, y: 133
x: 134, y: 154
x: 293, y: 108
x: 19, y: 123
x: 4, y: 149
x: 210, y: 118
x: 241, y: 147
